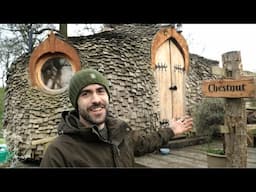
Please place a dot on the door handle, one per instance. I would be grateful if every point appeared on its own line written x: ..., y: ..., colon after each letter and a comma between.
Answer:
x: 174, y: 87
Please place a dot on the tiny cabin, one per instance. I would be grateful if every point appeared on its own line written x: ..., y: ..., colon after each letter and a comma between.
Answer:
x: 153, y: 79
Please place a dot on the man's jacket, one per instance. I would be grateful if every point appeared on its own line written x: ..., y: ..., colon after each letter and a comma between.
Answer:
x: 79, y: 146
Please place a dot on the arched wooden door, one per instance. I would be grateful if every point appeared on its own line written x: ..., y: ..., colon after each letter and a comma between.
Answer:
x: 170, y: 77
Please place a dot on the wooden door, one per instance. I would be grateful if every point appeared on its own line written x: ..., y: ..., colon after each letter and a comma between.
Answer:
x: 169, y: 74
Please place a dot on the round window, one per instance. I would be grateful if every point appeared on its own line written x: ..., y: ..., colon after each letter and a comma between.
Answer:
x: 56, y: 73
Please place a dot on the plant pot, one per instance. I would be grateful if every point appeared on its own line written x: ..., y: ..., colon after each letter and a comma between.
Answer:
x: 216, y: 160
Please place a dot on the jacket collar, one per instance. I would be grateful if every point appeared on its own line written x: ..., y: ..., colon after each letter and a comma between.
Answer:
x: 71, y: 125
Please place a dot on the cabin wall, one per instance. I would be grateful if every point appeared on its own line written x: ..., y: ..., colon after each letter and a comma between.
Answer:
x: 133, y: 94
x: 29, y: 114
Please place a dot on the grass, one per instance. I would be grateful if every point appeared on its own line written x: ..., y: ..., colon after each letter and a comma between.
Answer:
x: 216, y: 151
x: 2, y: 141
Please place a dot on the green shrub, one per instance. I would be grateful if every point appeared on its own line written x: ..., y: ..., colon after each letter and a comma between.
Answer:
x: 216, y: 151
x: 208, y: 115
x: 2, y: 141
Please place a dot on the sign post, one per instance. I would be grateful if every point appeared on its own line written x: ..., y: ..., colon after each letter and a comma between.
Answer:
x: 234, y: 88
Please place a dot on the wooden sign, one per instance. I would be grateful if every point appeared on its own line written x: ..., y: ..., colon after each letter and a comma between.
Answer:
x: 229, y: 88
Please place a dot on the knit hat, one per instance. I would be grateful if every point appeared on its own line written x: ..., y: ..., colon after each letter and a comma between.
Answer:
x: 82, y: 79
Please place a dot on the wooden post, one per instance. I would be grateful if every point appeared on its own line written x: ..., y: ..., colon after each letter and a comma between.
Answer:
x: 235, y: 116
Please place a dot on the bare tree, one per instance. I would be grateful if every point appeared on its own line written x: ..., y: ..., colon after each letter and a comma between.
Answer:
x: 18, y: 39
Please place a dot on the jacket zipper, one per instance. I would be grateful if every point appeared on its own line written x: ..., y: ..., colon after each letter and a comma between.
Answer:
x: 116, y: 154
x: 115, y: 149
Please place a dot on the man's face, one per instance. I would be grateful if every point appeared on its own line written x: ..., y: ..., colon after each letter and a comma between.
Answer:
x: 93, y: 104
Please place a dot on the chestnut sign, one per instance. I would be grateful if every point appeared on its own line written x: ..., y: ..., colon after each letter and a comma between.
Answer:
x: 229, y: 88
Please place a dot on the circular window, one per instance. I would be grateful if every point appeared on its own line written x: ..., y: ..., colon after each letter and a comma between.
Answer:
x: 52, y: 64
x: 55, y: 74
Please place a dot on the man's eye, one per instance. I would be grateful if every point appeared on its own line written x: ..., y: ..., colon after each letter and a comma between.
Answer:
x: 84, y: 93
x: 101, y: 90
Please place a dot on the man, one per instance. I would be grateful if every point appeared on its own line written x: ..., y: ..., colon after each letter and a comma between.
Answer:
x: 88, y: 137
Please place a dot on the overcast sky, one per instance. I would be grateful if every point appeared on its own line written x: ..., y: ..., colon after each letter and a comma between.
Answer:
x: 212, y: 40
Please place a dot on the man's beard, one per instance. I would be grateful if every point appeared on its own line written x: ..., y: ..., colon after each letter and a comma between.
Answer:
x: 93, y: 120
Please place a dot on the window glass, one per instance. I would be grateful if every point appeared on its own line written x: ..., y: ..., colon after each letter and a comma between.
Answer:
x: 56, y: 73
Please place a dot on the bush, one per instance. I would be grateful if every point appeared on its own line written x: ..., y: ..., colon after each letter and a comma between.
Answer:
x: 208, y: 115
x: 2, y: 141
x: 216, y: 151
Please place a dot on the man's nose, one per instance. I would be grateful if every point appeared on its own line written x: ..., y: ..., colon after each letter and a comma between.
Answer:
x: 95, y: 98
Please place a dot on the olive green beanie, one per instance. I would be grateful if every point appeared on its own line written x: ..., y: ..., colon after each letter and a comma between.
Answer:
x: 82, y: 79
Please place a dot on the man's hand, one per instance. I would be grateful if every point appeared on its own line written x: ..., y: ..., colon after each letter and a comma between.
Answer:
x: 182, y: 125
